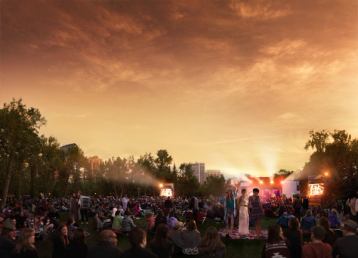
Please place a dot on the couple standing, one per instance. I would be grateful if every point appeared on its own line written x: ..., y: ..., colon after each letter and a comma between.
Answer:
x: 256, y: 212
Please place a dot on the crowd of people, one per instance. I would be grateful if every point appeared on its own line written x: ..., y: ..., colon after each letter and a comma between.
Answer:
x: 171, y: 226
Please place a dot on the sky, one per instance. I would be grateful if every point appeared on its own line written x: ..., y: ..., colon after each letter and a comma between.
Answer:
x: 234, y: 84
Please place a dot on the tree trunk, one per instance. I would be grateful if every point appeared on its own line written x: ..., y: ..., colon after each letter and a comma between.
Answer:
x: 7, y: 184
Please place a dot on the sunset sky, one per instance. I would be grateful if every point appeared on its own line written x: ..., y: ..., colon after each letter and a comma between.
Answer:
x: 234, y: 84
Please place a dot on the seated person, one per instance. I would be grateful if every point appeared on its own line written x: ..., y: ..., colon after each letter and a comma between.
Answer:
x: 127, y: 222
x: 211, y: 245
x: 190, y: 238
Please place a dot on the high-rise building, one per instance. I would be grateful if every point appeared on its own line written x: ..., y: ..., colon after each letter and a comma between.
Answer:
x: 199, y: 171
x: 213, y: 172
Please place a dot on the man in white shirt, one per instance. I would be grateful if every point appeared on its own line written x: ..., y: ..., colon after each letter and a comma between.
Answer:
x: 125, y: 201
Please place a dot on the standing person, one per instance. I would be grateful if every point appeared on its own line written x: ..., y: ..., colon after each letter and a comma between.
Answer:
x: 297, y: 206
x: 125, y: 201
x: 161, y: 245
x: 317, y: 249
x: 229, y: 211
x: 347, y: 246
x: 77, y: 247
x: 85, y: 203
x: 117, y: 222
x: 60, y: 242
x: 243, y: 204
x: 294, y: 238
x: 256, y: 210
x: 351, y: 204
x: 74, y: 207
x: 307, y: 223
x: 275, y: 246
x: 138, y: 240
x: 106, y: 246
x: 211, y: 245
x: 26, y: 246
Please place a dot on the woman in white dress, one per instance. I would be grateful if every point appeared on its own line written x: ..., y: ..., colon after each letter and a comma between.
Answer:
x: 244, y: 214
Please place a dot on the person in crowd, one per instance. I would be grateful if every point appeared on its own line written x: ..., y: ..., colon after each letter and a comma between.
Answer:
x: 307, y: 223
x: 160, y: 219
x: 297, y: 206
x: 352, y: 203
x: 74, y: 207
x: 127, y: 222
x: 317, y: 248
x: 71, y: 226
x: 77, y: 247
x: 333, y: 219
x: 243, y: 206
x: 211, y: 245
x: 138, y: 241
x: 84, y: 204
x: 172, y: 220
x: 175, y: 235
x: 275, y: 245
x: 117, y: 222
x: 1, y: 223
x: 7, y: 241
x: 161, y: 245
x: 190, y: 238
x: 150, y: 222
x: 256, y: 210
x: 125, y: 201
x: 99, y: 221
x: 168, y: 205
x: 330, y: 237
x: 294, y: 238
x: 106, y: 246
x: 25, y: 248
x: 283, y: 220
x: 60, y: 242
x: 229, y: 211
x: 347, y: 246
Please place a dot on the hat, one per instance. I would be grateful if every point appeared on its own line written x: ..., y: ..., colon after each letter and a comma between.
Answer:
x: 350, y: 225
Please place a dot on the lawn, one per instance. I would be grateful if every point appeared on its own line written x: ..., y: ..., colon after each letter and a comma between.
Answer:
x: 234, y: 248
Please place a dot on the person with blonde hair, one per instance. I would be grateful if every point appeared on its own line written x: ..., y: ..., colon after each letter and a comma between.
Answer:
x: 211, y: 245
x: 25, y: 248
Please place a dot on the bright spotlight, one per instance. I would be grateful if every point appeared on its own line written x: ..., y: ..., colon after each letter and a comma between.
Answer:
x: 326, y: 174
x: 282, y: 182
x: 271, y: 182
x: 261, y: 182
x: 160, y: 185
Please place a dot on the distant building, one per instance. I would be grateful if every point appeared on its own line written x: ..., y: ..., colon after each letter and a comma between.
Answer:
x: 68, y: 147
x: 213, y: 172
x: 199, y: 171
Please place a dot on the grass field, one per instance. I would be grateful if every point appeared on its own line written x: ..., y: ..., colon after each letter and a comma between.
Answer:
x: 234, y: 248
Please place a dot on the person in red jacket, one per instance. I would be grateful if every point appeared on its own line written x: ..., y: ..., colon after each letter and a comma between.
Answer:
x: 317, y: 248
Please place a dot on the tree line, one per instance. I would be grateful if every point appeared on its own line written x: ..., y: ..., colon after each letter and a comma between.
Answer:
x: 31, y: 163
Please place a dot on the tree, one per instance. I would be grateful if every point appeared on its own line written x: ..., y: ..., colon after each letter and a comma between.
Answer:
x: 336, y: 160
x: 187, y: 183
x: 163, y: 162
x: 19, y: 127
x: 317, y: 141
x: 214, y: 186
